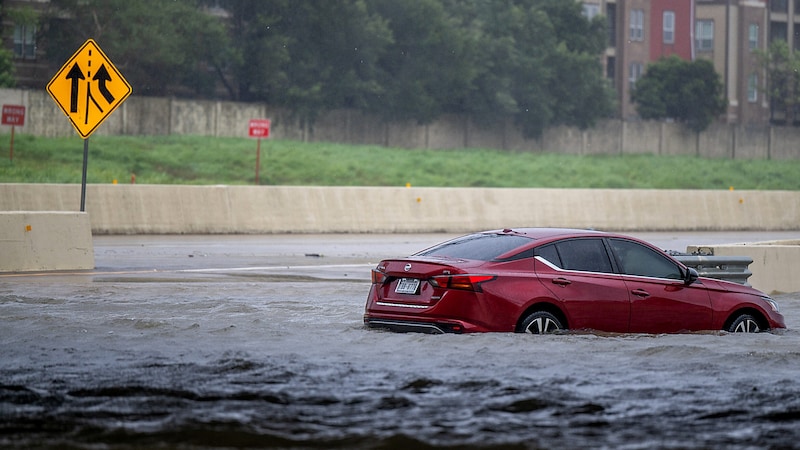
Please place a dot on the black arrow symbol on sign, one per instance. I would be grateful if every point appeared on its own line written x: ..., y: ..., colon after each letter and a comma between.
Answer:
x: 74, y: 74
x: 101, y: 77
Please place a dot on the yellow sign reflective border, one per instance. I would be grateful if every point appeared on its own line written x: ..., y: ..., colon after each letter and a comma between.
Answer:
x: 88, y: 88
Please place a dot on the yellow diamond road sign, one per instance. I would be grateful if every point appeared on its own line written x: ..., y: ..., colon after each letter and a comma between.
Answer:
x: 88, y: 88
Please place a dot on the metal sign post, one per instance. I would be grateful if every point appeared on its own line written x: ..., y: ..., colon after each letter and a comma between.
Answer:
x: 13, y: 115
x: 259, y: 128
x: 258, y: 158
x: 83, y: 178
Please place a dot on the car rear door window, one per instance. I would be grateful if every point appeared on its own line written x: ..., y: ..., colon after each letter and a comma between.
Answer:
x: 549, y: 253
x: 588, y: 255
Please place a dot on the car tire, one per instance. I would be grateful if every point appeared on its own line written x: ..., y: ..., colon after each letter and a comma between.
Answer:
x: 745, y: 323
x: 541, y: 322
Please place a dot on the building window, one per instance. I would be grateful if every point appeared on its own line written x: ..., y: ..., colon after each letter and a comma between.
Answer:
x: 590, y: 10
x: 705, y: 35
x: 669, y: 27
x: 634, y: 73
x: 779, y: 6
x: 637, y: 25
x: 611, y: 68
x: 611, y: 23
x: 752, y: 88
x: 778, y: 31
x: 752, y: 33
x: 796, y: 36
x: 25, y: 41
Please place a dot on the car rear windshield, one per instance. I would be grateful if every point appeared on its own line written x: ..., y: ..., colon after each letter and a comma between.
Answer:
x: 483, y: 247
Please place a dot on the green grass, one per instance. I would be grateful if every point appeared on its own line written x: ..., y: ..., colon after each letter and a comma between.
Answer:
x: 205, y: 160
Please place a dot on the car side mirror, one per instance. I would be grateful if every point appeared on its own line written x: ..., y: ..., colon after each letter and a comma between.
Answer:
x: 691, y: 276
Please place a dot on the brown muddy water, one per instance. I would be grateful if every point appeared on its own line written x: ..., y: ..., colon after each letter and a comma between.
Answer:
x: 212, y: 350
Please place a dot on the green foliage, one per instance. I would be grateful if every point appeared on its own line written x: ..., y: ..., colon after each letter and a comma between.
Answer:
x: 258, y: 52
x: 202, y: 160
x: 19, y: 15
x: 535, y: 62
x: 163, y: 48
x: 687, y: 91
x: 7, y: 79
x: 428, y: 66
x: 783, y: 80
x: 306, y: 55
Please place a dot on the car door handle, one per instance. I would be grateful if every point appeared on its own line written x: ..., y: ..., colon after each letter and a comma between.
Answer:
x: 640, y: 293
x: 561, y: 282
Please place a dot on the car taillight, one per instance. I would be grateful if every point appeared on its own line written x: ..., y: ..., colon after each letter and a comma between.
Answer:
x: 465, y: 282
x: 378, y: 277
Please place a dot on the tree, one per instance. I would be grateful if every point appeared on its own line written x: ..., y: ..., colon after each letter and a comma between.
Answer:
x: 334, y: 48
x: 259, y: 53
x: 306, y: 55
x: 163, y: 48
x: 580, y: 94
x: 783, y: 82
x: 539, y: 65
x: 533, y: 61
x: 6, y: 69
x: 690, y: 92
x: 430, y: 64
x: 536, y: 62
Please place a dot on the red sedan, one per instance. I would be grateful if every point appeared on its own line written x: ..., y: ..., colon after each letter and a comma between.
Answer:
x: 541, y: 280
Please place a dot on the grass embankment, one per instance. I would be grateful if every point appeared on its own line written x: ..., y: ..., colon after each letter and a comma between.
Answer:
x: 206, y: 160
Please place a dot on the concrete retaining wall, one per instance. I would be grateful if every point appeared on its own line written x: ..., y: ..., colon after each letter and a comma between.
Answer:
x: 155, y: 116
x: 162, y: 209
x: 39, y: 241
x: 774, y: 263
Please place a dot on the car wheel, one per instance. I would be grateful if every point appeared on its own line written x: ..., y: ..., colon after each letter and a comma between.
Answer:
x: 541, y: 322
x: 744, y: 324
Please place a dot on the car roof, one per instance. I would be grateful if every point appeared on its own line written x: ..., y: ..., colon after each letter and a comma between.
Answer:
x: 542, y: 233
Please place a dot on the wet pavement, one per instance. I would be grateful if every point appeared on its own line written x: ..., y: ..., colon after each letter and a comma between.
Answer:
x: 257, y: 342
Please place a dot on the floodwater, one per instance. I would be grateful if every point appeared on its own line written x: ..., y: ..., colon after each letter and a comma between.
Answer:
x: 258, y: 342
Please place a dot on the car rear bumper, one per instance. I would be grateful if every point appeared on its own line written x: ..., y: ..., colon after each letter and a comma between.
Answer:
x: 415, y: 326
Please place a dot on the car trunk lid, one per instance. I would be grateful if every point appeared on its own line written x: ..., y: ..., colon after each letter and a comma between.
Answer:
x: 410, y: 283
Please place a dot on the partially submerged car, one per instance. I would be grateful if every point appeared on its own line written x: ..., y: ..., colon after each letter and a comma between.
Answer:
x: 542, y: 280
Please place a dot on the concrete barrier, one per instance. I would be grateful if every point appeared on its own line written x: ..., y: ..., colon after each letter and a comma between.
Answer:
x: 42, y: 231
x: 774, y: 263
x: 169, y: 209
x: 45, y: 241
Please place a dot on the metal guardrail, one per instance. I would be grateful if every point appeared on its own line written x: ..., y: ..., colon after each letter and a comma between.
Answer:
x: 729, y: 268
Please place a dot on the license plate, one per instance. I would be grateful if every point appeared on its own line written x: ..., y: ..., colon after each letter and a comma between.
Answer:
x: 407, y: 286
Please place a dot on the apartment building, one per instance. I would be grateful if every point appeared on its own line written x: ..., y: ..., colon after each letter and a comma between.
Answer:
x: 728, y: 33
x: 785, y: 22
x: 784, y: 25
x: 725, y: 32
